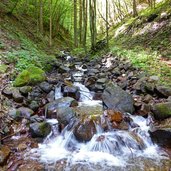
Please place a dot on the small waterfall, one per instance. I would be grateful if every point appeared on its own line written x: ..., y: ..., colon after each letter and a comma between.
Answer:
x: 58, y: 93
x: 85, y: 93
x: 114, y: 148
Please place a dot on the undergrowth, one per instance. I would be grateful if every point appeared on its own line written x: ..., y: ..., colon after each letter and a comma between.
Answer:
x: 147, y: 61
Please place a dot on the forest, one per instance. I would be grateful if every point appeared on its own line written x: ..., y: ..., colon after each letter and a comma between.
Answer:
x: 85, y: 85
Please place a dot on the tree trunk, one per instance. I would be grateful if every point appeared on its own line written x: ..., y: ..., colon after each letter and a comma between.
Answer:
x: 85, y: 4
x: 75, y: 24
x: 50, y: 23
x: 41, y: 16
x: 107, y: 30
x: 80, y: 22
x: 135, y: 13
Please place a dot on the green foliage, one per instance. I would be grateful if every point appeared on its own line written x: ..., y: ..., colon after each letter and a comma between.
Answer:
x: 3, y: 68
x: 145, y: 60
x: 32, y: 75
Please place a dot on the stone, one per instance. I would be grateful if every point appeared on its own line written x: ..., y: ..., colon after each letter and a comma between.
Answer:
x: 25, y: 90
x: 51, y: 96
x: 147, y: 98
x: 140, y: 84
x: 39, y: 130
x: 145, y: 110
x: 164, y: 91
x: 17, y: 96
x: 114, y: 116
x: 34, y: 105
x: 65, y: 115
x: 71, y: 91
x: 25, y: 112
x: 85, y: 130
x: 63, y: 69
x: 7, y: 91
x: 15, y: 114
x: 161, y: 133
x: 115, y: 98
x: 52, y: 107
x: 22, y: 112
x: 4, y: 154
x: 30, y: 76
x: 162, y: 110
x: 45, y: 86
x: 101, y: 81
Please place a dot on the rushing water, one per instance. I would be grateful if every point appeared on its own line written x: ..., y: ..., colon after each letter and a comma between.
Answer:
x: 106, y: 150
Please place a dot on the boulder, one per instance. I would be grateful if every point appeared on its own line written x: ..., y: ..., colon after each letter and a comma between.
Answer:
x: 52, y: 107
x: 164, y: 91
x: 20, y: 113
x: 39, y: 130
x: 7, y: 91
x: 162, y: 110
x: 65, y: 115
x: 17, y: 96
x: 45, y: 86
x: 161, y: 134
x: 30, y: 76
x: 115, y: 98
x: 85, y: 130
x: 25, y: 90
x: 34, y: 105
x: 71, y: 91
x: 4, y: 154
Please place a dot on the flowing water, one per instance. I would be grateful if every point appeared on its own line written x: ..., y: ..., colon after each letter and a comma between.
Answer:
x: 112, y: 150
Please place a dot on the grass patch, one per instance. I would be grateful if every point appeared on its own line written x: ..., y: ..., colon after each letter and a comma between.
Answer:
x: 147, y: 61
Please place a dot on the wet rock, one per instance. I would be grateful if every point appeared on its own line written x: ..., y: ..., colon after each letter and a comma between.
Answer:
x: 40, y: 130
x: 7, y: 91
x: 85, y: 130
x: 140, y: 84
x: 71, y: 91
x: 34, y: 105
x: 25, y: 90
x: 36, y: 118
x: 115, y: 98
x: 52, y: 107
x: 98, y: 87
x: 36, y: 94
x: 45, y: 86
x: 25, y: 112
x: 65, y: 115
x: 161, y: 134
x: 114, y: 116
x: 17, y: 96
x: 162, y: 110
x: 15, y: 114
x: 4, y: 154
x: 149, y: 87
x: 51, y: 96
x: 164, y: 91
x: 101, y: 81
x: 147, y: 98
x: 64, y: 69
x: 145, y: 109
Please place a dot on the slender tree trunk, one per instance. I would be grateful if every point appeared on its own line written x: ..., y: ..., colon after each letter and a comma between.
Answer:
x: 135, y: 13
x: 41, y: 16
x: 80, y: 22
x: 85, y: 5
x: 107, y: 30
x: 50, y: 23
x: 75, y: 24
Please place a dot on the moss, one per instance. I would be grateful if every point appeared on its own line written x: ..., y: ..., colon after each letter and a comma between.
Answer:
x: 3, y: 68
x: 30, y: 76
x: 162, y: 110
x: 44, y: 128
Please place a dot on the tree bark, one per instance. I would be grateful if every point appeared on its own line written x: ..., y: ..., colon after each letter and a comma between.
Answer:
x: 75, y: 24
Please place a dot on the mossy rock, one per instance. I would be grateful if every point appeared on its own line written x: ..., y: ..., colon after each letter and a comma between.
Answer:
x: 3, y: 68
x: 30, y: 76
x: 162, y: 110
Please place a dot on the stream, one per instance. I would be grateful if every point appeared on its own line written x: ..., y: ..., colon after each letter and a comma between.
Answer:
x: 113, y: 149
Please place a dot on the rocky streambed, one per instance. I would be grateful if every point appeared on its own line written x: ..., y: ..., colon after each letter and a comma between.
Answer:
x: 87, y: 115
